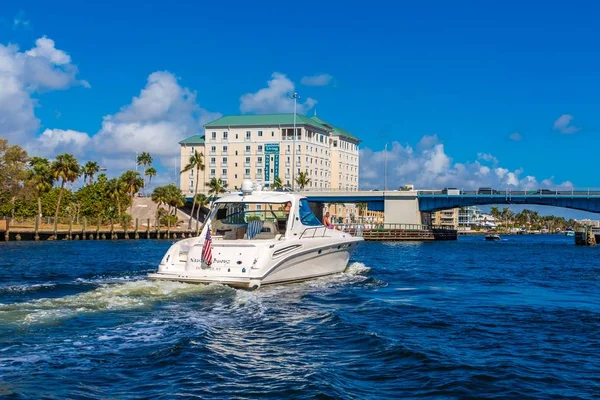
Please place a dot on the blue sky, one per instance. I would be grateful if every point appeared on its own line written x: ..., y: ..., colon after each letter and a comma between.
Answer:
x: 459, y: 86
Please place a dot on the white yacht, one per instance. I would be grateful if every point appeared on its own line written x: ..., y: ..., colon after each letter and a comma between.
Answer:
x: 255, y: 237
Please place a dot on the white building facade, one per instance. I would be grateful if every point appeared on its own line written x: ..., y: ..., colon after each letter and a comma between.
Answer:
x: 262, y: 148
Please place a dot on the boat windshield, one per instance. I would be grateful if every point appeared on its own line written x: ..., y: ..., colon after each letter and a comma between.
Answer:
x: 233, y: 221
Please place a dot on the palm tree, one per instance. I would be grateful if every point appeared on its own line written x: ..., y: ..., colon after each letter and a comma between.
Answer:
x: 277, y: 183
x: 132, y: 182
x: 115, y: 190
x: 302, y: 180
x: 196, y: 163
x: 150, y: 173
x: 160, y: 197
x: 361, y: 208
x: 144, y: 159
x: 90, y: 169
x: 201, y: 201
x: 216, y: 187
x: 495, y: 212
x: 41, y: 178
x: 175, y: 198
x: 65, y: 168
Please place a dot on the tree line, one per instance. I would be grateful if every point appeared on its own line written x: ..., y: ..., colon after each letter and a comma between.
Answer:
x: 529, y: 219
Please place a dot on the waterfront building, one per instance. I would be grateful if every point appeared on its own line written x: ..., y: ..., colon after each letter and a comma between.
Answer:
x: 350, y: 213
x: 261, y: 148
x: 446, y: 217
x: 589, y: 222
x: 468, y: 216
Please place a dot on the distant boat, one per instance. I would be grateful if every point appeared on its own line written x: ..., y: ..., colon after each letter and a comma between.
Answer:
x: 570, y: 232
x: 492, y: 236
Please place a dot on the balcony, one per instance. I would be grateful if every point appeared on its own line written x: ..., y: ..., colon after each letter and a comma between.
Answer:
x: 247, y: 152
x: 247, y: 165
x: 246, y: 176
x: 259, y: 151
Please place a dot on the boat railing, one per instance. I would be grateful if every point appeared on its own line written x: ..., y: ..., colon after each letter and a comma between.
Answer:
x: 315, y: 232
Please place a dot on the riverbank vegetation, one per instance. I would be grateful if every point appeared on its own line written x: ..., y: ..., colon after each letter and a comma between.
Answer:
x: 507, y: 220
x: 33, y: 187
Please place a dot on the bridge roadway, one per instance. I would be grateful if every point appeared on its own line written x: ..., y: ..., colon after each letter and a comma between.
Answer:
x: 406, y: 206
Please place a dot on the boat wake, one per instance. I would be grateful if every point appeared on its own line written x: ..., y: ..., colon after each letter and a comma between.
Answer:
x: 119, y: 293
x: 119, y: 296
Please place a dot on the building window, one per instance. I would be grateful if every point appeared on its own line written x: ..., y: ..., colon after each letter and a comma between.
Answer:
x: 224, y: 171
x: 259, y: 160
x: 260, y: 148
x: 224, y: 149
x: 213, y: 149
x: 213, y: 160
x: 247, y: 149
x: 191, y: 173
x: 236, y: 153
x: 260, y: 133
x: 214, y: 135
x: 225, y: 135
x: 259, y: 171
x: 224, y: 160
x: 212, y: 172
x: 272, y: 133
x: 248, y: 134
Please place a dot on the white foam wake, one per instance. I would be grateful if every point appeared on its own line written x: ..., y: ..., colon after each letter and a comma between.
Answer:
x: 130, y: 295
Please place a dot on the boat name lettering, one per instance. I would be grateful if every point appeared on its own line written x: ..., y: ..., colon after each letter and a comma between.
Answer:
x: 195, y: 260
x: 217, y: 261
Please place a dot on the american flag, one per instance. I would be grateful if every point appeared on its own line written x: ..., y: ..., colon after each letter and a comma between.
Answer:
x: 206, y: 250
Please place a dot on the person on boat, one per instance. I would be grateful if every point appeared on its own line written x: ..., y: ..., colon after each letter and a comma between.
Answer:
x: 327, y: 221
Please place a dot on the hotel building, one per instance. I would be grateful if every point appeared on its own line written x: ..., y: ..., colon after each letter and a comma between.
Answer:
x: 261, y: 148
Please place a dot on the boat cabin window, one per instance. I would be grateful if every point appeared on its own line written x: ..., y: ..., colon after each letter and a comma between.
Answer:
x: 233, y: 221
x: 306, y: 215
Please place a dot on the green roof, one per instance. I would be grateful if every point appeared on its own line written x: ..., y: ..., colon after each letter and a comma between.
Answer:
x: 196, y: 139
x: 276, y: 119
x: 336, y: 129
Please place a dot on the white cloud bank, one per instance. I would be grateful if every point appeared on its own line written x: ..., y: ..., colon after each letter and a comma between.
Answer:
x: 22, y: 74
x: 275, y: 98
x: 429, y: 167
x: 316, y: 80
x: 564, y: 126
x: 160, y: 116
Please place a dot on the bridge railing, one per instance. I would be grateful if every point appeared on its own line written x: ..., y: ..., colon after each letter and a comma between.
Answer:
x: 509, y: 192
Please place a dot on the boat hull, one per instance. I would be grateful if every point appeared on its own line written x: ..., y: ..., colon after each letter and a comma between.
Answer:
x: 299, y: 264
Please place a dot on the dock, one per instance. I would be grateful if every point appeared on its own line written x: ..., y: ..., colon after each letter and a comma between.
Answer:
x: 36, y: 230
x: 17, y: 230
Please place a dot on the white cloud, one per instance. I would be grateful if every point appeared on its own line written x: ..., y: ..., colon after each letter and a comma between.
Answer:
x: 563, y: 125
x: 275, y: 98
x: 487, y: 157
x: 44, y: 48
x: 428, y: 141
x: 22, y: 74
x: 163, y: 114
x: 316, y: 80
x: 429, y: 167
x: 56, y: 141
x: 516, y: 136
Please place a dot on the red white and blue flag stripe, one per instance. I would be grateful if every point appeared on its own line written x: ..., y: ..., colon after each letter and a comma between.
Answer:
x: 207, y: 250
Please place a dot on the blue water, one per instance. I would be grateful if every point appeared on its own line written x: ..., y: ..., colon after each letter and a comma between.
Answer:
x: 517, y: 319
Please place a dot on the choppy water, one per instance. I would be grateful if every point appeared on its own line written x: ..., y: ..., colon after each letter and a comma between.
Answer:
x: 513, y: 319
